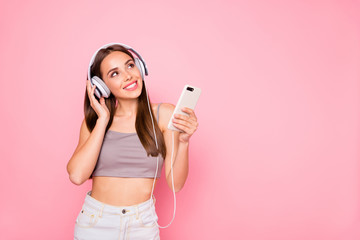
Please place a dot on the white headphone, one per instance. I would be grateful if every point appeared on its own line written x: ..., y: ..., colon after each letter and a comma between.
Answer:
x: 102, y: 90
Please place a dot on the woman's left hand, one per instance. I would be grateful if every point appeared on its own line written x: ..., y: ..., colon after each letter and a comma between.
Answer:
x: 188, y: 124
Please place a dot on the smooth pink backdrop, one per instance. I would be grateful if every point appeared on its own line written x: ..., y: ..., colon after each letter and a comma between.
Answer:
x: 276, y: 154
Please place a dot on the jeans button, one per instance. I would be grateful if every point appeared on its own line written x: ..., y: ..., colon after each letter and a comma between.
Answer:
x: 123, y: 211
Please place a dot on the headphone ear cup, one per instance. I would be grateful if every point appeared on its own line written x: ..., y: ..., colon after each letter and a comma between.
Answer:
x: 101, y: 89
x: 141, y: 67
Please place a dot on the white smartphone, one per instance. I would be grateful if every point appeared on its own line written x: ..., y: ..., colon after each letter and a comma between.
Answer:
x: 188, y: 98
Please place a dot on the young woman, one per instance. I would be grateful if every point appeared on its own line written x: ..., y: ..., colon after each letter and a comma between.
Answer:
x: 117, y: 149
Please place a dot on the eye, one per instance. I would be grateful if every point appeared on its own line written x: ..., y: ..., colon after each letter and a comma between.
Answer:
x: 114, y: 74
x: 132, y: 65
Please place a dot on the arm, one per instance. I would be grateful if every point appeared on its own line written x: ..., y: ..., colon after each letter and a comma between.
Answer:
x: 83, y: 161
x: 181, y: 145
x: 180, y: 165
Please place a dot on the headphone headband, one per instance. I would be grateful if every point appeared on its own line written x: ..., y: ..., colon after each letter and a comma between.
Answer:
x: 121, y: 44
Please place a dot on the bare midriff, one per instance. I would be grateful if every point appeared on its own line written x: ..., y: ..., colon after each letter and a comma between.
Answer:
x: 121, y: 191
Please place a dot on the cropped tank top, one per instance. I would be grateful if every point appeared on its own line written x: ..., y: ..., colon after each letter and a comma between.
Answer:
x: 123, y: 155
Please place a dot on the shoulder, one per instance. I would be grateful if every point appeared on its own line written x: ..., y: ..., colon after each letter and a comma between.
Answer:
x: 165, y: 112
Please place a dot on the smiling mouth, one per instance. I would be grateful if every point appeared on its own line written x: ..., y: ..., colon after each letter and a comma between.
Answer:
x: 131, y: 86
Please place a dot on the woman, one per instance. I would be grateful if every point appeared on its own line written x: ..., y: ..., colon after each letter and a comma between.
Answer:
x: 118, y: 149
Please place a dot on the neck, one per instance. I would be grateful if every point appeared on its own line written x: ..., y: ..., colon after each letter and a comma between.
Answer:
x: 126, y: 107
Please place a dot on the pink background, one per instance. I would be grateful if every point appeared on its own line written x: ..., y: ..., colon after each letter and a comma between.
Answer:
x: 276, y: 154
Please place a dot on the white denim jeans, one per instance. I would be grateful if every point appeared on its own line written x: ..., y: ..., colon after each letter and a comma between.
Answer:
x: 101, y: 221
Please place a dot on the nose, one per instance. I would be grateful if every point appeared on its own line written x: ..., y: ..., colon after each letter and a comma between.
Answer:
x: 128, y: 76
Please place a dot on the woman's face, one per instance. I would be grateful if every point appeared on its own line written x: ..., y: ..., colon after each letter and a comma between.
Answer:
x: 121, y: 75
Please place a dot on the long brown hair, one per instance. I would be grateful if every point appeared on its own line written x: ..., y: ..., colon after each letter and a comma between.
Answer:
x: 143, y: 123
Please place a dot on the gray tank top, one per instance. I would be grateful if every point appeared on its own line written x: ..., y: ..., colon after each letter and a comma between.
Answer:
x: 123, y: 155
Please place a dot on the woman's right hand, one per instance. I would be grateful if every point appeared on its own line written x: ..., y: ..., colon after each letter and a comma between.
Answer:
x: 100, y: 108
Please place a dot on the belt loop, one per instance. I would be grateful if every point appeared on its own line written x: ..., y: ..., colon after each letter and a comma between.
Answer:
x: 137, y: 212
x: 102, y: 207
x: 154, y: 200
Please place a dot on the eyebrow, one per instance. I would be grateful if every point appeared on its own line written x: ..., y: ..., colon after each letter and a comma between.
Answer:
x: 117, y: 67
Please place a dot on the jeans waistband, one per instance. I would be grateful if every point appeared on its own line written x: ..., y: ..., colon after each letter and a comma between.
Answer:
x: 119, y: 210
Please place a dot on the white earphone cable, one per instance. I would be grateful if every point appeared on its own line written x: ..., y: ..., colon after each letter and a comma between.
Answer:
x: 157, y: 164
